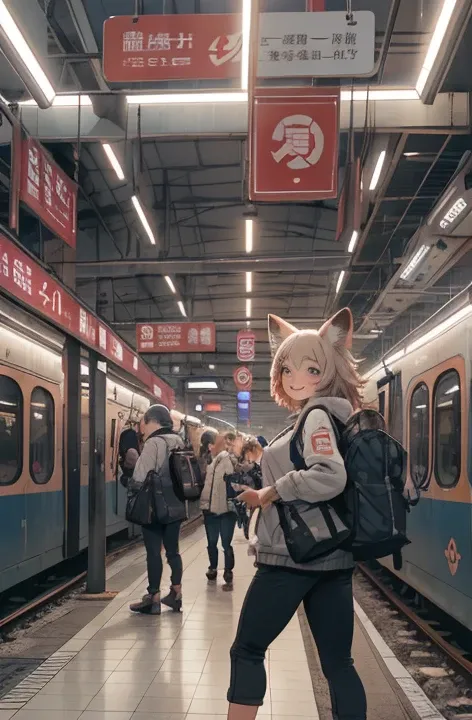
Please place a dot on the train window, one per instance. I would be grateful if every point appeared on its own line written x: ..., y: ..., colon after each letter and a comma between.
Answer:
x: 42, y: 432
x: 419, y: 435
x: 11, y: 431
x: 447, y: 429
x: 395, y: 412
x: 382, y: 403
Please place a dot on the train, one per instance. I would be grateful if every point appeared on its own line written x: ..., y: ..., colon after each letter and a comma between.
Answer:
x: 43, y: 520
x: 423, y: 389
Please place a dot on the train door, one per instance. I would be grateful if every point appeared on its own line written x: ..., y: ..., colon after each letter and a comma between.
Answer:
x: 450, y: 485
x: 13, y: 471
x: 84, y: 452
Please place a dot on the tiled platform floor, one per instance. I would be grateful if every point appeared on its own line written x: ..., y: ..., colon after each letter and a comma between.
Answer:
x: 172, y: 667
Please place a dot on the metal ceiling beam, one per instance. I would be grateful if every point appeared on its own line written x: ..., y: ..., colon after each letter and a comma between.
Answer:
x: 317, y: 264
x: 450, y: 112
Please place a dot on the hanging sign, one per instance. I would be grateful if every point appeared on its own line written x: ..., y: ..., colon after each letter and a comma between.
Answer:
x: 242, y: 378
x: 25, y: 280
x: 246, y: 346
x: 322, y: 44
x: 147, y: 48
x: 175, y: 337
x: 48, y: 191
x: 294, y: 144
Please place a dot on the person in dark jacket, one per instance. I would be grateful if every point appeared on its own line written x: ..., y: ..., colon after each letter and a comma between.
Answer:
x: 160, y: 439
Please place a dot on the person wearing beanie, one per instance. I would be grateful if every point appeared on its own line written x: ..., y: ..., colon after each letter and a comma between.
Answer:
x: 159, y: 440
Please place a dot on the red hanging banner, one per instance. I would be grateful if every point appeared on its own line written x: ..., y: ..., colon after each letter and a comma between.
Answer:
x: 294, y: 137
x: 48, y: 191
x: 148, y: 48
x: 246, y: 346
x: 175, y: 337
x: 25, y: 280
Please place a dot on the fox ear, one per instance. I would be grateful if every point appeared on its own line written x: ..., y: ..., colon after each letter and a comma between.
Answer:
x: 338, y: 329
x: 279, y: 330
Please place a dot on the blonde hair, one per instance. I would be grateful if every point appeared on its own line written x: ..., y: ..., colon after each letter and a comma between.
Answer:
x: 339, y: 376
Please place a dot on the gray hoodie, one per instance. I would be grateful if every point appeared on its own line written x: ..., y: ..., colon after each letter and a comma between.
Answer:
x: 324, y: 479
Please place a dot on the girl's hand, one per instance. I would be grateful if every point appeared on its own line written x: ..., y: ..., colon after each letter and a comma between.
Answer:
x: 259, y: 498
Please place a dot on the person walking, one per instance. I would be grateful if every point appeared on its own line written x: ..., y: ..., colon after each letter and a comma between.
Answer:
x: 313, y: 373
x: 218, y: 513
x: 159, y: 439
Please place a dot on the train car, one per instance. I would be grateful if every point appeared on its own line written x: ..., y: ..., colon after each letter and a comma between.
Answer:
x: 423, y: 389
x: 37, y: 511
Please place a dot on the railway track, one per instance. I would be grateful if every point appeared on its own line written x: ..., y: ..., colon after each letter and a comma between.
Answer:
x: 460, y: 658
x: 10, y: 617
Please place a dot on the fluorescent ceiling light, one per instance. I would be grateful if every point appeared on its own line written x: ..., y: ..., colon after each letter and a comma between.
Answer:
x: 435, y: 44
x: 113, y: 161
x: 378, y: 170
x: 23, y: 60
x: 249, y: 282
x: 248, y: 307
x: 340, y: 280
x: 202, y: 385
x: 63, y: 101
x: 181, y: 308
x: 454, y: 389
x: 353, y: 241
x: 374, y: 331
x: 420, y: 407
x: 415, y: 260
x: 170, y: 283
x: 439, y: 329
x: 249, y: 234
x: 411, y: 154
x: 211, y: 367
x: 248, y: 323
x: 346, y: 95
x: 184, y: 98
x: 246, y: 36
x: 143, y: 219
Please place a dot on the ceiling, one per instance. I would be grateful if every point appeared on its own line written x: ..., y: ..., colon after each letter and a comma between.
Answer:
x: 195, y: 193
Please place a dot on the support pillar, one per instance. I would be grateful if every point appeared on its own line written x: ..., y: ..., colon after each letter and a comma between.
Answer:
x: 72, y: 455
x: 96, y: 577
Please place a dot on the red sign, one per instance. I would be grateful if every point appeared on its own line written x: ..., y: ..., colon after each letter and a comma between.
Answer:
x: 175, y: 337
x: 242, y: 378
x: 246, y: 346
x: 48, y: 191
x: 147, y: 48
x: 26, y: 280
x: 212, y: 407
x: 294, y: 144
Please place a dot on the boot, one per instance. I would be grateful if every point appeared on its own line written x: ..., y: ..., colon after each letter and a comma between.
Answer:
x: 148, y: 605
x: 173, y: 600
x: 212, y: 575
x: 228, y: 578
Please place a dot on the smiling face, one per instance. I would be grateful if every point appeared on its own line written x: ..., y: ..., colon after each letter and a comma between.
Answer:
x: 300, y: 383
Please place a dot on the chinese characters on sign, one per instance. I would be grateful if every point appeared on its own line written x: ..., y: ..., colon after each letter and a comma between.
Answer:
x: 171, y: 47
x: 246, y: 346
x: 322, y: 44
x: 48, y: 191
x: 26, y: 280
x: 175, y: 337
x: 293, y: 153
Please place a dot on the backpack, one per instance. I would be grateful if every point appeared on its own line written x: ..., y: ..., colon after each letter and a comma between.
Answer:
x: 186, y: 474
x: 373, y: 504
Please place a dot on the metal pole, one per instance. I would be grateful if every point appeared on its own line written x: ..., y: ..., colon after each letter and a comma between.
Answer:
x: 96, y: 577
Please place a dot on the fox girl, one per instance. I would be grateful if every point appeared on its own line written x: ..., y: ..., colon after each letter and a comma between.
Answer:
x: 310, y: 369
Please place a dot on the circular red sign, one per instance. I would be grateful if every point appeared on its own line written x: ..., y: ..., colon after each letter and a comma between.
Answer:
x: 242, y: 378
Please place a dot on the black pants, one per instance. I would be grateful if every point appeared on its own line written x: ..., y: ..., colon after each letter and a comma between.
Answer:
x: 272, y: 600
x: 154, y: 535
x: 217, y: 526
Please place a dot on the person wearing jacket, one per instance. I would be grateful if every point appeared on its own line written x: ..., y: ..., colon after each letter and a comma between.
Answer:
x: 159, y: 440
x: 219, y: 516
x: 205, y: 458
x: 310, y: 370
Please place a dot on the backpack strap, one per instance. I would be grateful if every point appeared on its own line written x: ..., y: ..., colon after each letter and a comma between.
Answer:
x: 296, y: 442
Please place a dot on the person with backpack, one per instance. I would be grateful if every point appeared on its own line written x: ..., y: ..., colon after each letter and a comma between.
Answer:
x: 313, y: 373
x: 159, y: 442
x: 218, y: 511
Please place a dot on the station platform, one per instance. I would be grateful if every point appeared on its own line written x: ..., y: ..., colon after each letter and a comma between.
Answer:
x: 122, y: 666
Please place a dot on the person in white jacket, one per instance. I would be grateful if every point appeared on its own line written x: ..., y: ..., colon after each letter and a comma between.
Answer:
x: 219, y: 515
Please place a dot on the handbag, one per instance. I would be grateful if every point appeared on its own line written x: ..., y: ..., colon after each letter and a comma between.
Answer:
x: 304, y: 544
x: 140, y: 504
